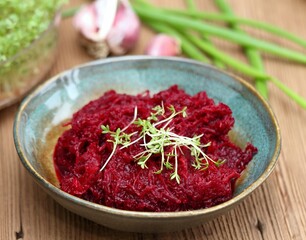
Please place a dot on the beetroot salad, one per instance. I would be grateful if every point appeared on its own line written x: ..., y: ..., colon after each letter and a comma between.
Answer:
x: 166, y: 152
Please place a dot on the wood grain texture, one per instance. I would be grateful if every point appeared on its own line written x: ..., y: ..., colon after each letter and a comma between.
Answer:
x: 276, y: 210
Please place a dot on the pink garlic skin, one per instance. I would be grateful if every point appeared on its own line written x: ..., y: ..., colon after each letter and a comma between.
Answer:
x: 163, y: 45
x: 85, y: 22
x: 125, y: 31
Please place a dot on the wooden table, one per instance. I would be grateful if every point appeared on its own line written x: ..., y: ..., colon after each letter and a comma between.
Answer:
x: 276, y: 210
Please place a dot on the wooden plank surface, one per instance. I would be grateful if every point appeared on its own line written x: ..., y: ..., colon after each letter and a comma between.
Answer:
x: 276, y: 210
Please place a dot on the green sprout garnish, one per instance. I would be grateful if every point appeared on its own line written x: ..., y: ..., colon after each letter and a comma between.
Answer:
x: 162, y: 141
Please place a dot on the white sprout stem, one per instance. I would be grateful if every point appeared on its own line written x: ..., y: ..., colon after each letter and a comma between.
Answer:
x: 162, y: 160
x: 131, y: 143
x: 204, y: 155
x: 141, y: 153
x: 185, y: 143
x: 134, y: 119
x: 176, y: 162
x: 176, y: 165
x: 168, y: 158
x: 160, y: 133
x: 181, y: 140
x: 176, y: 135
x: 165, y: 120
x: 167, y: 123
x: 179, y: 146
x: 144, y: 141
x: 143, y: 163
x: 163, y: 108
x: 169, y: 118
x: 110, y: 156
x: 162, y: 154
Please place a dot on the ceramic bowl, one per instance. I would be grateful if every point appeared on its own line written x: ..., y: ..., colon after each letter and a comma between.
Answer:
x: 50, y: 104
x: 21, y: 72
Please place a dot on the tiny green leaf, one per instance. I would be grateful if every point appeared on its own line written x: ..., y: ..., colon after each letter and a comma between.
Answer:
x: 162, y: 141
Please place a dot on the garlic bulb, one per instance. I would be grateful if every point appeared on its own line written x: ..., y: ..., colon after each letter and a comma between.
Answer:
x: 164, y: 45
x: 107, y: 26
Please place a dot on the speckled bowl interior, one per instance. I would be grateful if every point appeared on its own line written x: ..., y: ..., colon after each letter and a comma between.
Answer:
x: 58, y: 98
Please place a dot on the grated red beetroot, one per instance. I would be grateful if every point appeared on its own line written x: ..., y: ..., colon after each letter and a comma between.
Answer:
x: 82, y: 150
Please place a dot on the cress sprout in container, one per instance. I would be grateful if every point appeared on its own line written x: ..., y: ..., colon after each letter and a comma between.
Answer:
x: 28, y: 40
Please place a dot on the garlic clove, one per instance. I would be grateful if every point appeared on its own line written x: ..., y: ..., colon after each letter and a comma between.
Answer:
x: 85, y: 22
x: 164, y: 45
x: 95, y: 20
x: 106, y: 11
x: 125, y: 30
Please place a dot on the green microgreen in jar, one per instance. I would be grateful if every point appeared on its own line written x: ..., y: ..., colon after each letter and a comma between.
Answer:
x: 22, y: 22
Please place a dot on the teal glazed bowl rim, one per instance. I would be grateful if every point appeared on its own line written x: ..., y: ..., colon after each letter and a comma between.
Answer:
x: 134, y: 214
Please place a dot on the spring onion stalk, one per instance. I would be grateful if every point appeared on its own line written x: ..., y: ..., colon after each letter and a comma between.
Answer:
x: 211, y: 50
x: 227, y: 59
x: 232, y: 62
x: 206, y: 47
x: 293, y: 95
x: 253, y: 55
x: 240, y: 66
x: 70, y: 12
x: 242, y: 39
x: 192, y: 7
x: 241, y: 21
x: 255, y: 60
